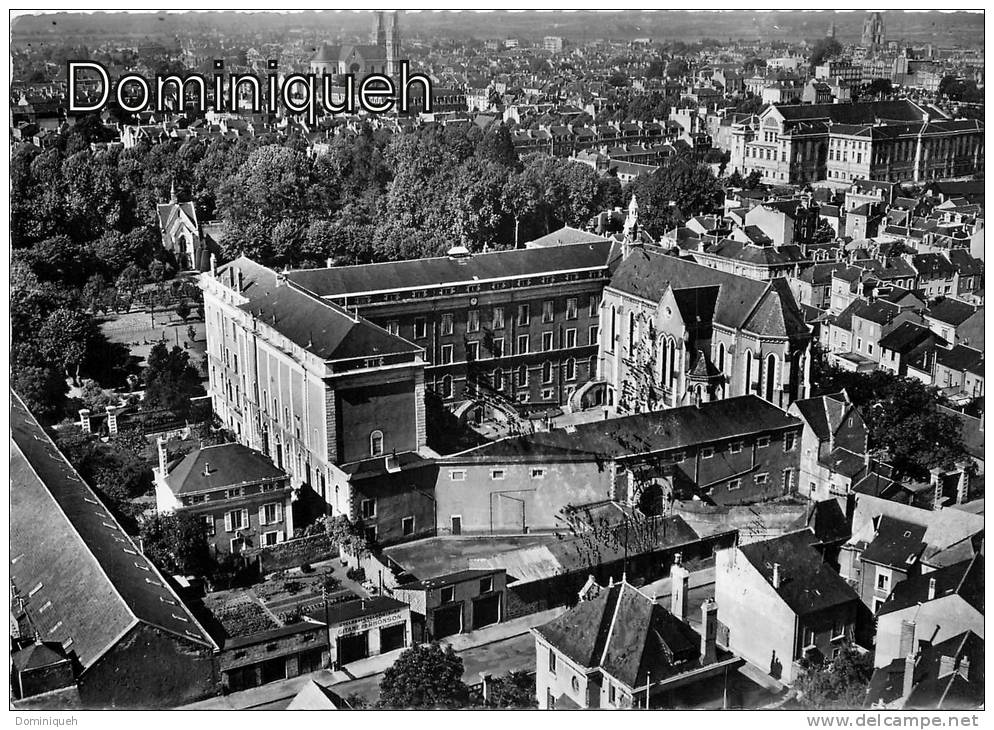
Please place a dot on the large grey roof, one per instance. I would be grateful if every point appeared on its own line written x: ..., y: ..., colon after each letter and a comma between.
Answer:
x: 318, y: 326
x: 80, y: 573
x: 445, y: 270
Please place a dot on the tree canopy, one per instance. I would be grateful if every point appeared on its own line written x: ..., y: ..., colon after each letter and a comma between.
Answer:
x: 424, y: 677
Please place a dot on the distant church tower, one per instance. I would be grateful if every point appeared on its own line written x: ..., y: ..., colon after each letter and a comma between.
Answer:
x: 873, y: 32
x: 392, y: 42
x: 831, y: 30
x: 379, y: 35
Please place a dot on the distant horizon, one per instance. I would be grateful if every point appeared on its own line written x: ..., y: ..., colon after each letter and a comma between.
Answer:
x: 950, y: 27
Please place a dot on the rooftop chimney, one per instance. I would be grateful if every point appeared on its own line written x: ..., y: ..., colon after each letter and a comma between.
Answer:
x: 709, y: 631
x: 160, y: 444
x: 907, y: 643
x: 207, y: 469
x: 679, y: 583
x: 909, y: 676
x: 931, y: 588
x: 776, y: 575
x: 213, y: 264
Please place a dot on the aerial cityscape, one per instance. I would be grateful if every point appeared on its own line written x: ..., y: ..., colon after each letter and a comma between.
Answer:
x: 560, y: 360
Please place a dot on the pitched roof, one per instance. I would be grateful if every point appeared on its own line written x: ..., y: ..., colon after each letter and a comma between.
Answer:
x: 646, y: 274
x: 224, y: 465
x: 318, y: 326
x: 944, y: 528
x: 565, y: 236
x: 950, y: 311
x: 896, y: 544
x: 641, y: 433
x: 72, y: 557
x: 823, y: 413
x: 807, y: 584
x: 857, y: 113
x: 447, y: 271
x: 964, y: 579
x: 907, y: 336
x: 312, y: 696
x: 627, y: 634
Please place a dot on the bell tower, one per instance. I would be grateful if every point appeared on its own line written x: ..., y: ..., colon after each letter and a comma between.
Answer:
x: 378, y: 36
x: 392, y: 42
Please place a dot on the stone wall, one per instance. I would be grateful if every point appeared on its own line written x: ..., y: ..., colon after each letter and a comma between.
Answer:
x: 294, y: 553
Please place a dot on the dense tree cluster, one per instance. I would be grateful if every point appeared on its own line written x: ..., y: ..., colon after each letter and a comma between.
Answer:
x: 905, y: 424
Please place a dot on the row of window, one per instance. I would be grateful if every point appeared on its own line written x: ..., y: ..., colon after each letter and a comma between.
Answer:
x: 459, y: 475
x: 523, y: 342
x: 497, y: 321
x: 518, y: 378
x: 762, y: 479
x: 238, y: 519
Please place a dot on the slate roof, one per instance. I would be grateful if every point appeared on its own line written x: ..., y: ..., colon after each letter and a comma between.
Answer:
x: 897, y: 544
x: 907, y: 336
x: 627, y: 634
x: 565, y: 236
x: 950, y: 311
x: 826, y: 520
x: 230, y: 465
x: 961, y: 358
x: 320, y: 327
x: 641, y: 433
x: 858, y: 113
x: 761, y: 307
x: 965, y: 263
x: 441, y: 581
x: 447, y: 271
x: 933, y: 265
x: 37, y: 656
x: 71, y: 556
x: 823, y: 413
x: 807, y: 584
x: 965, y: 579
x: 950, y: 691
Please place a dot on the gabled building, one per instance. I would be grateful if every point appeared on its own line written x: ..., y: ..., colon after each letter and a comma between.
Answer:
x: 673, y: 332
x: 779, y: 602
x: 736, y: 451
x: 618, y: 648
x: 935, y: 539
x: 930, y: 609
x: 833, y: 445
x: 948, y: 675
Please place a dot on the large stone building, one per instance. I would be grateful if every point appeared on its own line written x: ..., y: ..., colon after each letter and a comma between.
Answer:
x: 310, y: 384
x: 892, y: 140
x: 508, y: 326
x: 674, y: 332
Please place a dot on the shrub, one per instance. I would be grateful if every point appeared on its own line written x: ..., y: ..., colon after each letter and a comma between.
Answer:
x: 306, y: 568
x: 356, y: 574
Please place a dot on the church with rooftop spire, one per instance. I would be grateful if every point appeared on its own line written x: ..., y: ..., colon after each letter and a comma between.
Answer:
x: 381, y: 55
